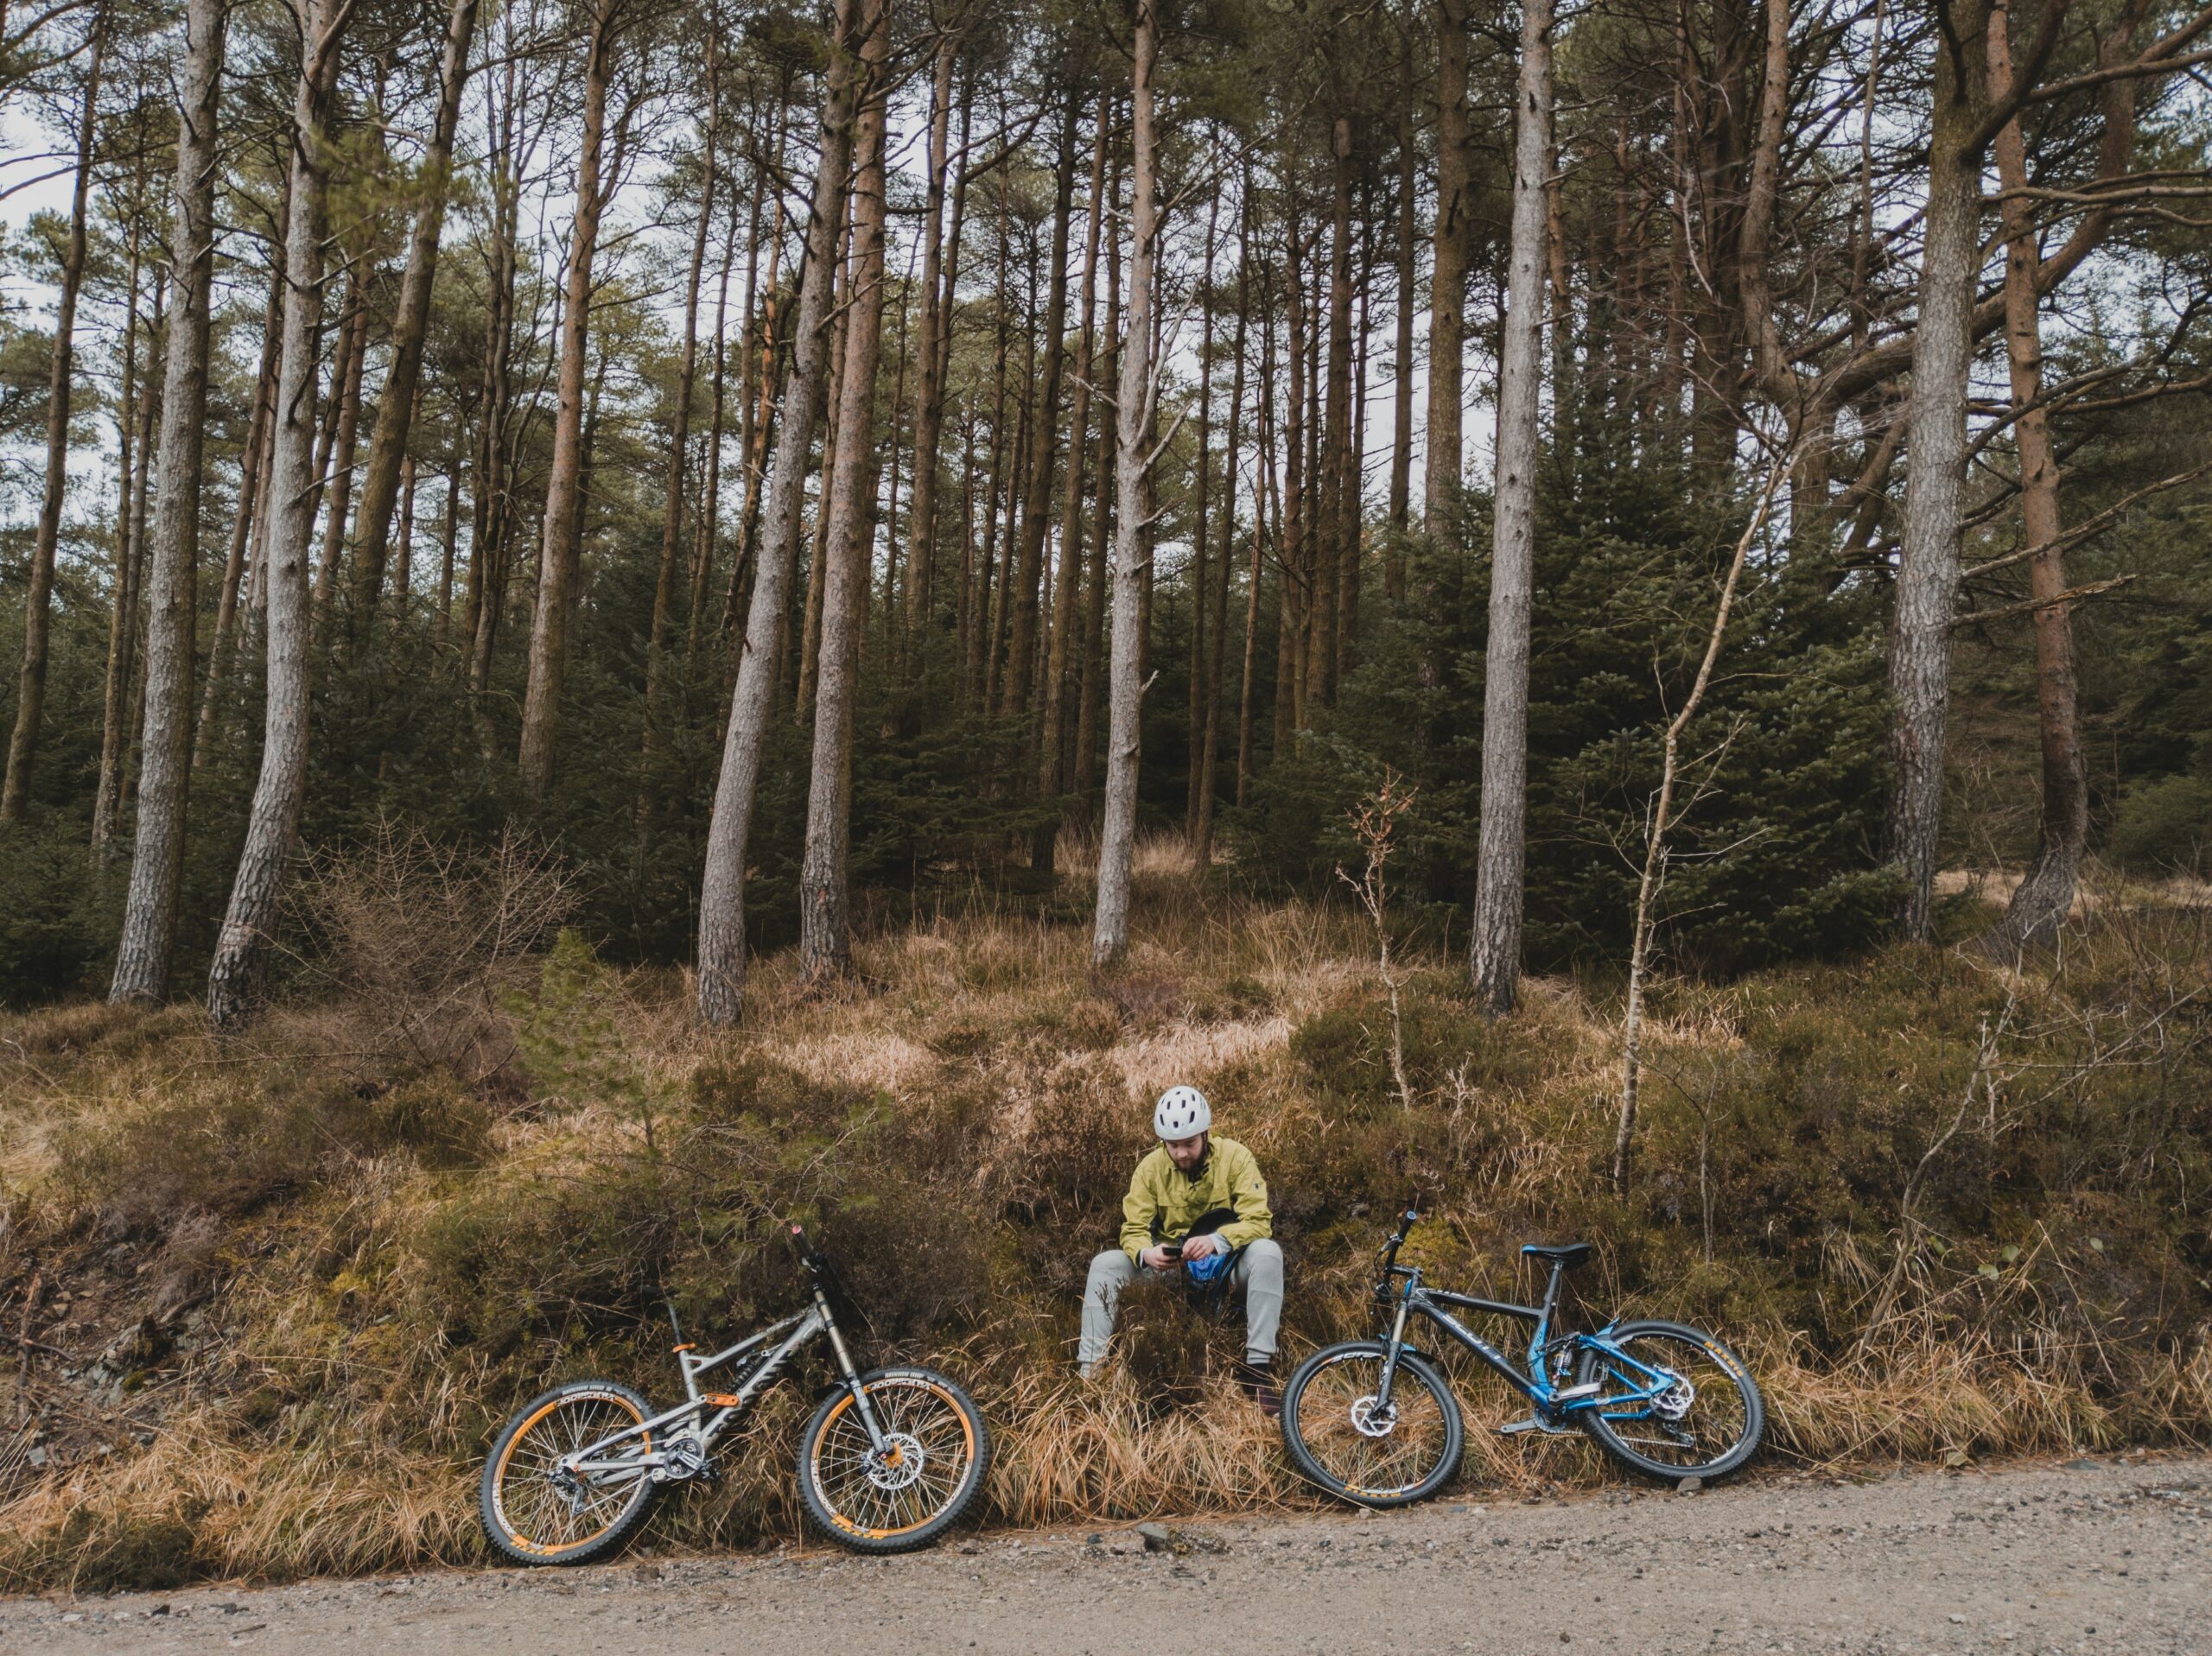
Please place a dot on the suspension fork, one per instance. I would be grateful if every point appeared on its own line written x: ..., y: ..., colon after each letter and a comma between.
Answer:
x: 851, y: 1377
x: 1390, y: 1357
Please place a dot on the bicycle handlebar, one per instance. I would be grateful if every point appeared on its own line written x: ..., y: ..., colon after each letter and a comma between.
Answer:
x: 1405, y: 1222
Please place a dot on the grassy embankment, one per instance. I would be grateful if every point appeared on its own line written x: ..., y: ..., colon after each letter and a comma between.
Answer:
x: 264, y: 1302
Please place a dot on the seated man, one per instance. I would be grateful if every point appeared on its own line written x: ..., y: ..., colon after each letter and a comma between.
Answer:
x: 1196, y: 1204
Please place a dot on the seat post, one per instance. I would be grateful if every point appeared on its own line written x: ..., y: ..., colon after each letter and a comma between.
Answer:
x: 1551, y: 1292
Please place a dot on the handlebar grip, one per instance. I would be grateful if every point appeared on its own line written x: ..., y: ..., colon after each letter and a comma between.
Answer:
x: 802, y: 1246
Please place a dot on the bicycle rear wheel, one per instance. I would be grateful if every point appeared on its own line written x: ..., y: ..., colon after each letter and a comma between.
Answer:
x: 536, y: 1511
x: 1338, y: 1437
x: 1706, y: 1425
x: 930, y: 1472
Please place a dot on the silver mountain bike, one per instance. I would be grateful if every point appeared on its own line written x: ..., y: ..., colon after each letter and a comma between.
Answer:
x: 891, y: 1460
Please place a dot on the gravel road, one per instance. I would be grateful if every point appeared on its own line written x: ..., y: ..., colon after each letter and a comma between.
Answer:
x: 2100, y: 1555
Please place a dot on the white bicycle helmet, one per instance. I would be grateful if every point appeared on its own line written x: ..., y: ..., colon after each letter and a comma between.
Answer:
x: 1182, y: 1113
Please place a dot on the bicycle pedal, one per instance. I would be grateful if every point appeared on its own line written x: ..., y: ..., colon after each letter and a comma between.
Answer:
x: 1515, y: 1427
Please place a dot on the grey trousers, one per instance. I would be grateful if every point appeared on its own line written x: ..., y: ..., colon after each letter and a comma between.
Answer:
x: 1257, y: 1273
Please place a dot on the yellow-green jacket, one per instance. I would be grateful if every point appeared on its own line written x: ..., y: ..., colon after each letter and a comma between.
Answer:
x: 1228, y: 1177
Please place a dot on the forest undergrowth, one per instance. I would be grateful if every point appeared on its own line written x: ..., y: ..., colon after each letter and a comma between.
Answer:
x: 264, y: 1301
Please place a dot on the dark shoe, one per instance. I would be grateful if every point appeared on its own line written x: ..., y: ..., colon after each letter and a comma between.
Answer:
x: 1260, y: 1386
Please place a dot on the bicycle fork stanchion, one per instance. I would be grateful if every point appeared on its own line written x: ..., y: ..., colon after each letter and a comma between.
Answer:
x: 1390, y: 1356
x: 878, y: 1443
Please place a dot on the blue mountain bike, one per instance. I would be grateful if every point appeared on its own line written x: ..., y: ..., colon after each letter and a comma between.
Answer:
x: 1375, y: 1421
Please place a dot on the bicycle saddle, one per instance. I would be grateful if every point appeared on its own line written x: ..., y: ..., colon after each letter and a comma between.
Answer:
x: 1565, y: 1254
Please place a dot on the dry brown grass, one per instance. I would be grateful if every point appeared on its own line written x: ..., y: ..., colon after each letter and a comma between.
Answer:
x: 368, y: 1265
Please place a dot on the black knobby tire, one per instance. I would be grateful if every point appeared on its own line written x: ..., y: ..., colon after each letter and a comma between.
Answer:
x: 1330, y: 1434
x: 942, y: 1456
x: 1723, y: 1423
x: 528, y: 1516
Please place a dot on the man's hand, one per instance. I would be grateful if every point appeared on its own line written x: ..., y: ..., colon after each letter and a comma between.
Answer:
x: 1196, y: 1247
x: 1160, y: 1258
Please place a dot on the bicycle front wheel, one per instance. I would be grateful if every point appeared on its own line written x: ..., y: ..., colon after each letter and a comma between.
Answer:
x: 1705, y: 1424
x: 537, y: 1510
x: 905, y: 1495
x: 1339, y: 1436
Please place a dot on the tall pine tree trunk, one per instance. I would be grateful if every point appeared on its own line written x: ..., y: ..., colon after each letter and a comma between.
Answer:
x: 141, y: 961
x: 558, y: 564
x: 1194, y: 702
x: 1091, y: 690
x: 1402, y: 431
x: 274, y: 819
x: 2041, y: 901
x: 136, y: 441
x: 1927, y: 560
x: 721, y: 891
x: 344, y: 433
x: 825, y: 935
x: 679, y: 438
x: 1217, y: 618
x: 1494, y: 955
x: 1447, y: 291
x: 929, y: 391
x: 1336, y: 528
x: 30, y: 696
x: 1135, y: 392
x: 1053, y: 757
x: 1037, y: 505
x: 253, y: 475
x: 396, y: 404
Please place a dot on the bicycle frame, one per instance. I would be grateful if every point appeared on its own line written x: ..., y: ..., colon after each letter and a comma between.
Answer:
x: 704, y: 1427
x: 1551, y: 1403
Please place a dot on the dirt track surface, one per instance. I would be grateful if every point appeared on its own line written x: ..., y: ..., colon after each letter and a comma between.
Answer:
x: 2094, y: 1555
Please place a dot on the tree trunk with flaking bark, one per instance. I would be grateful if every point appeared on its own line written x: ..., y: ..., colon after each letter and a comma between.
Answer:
x: 46, y: 539
x: 2042, y: 900
x: 396, y: 403
x: 1447, y: 292
x: 1135, y: 390
x: 558, y: 566
x: 1928, y: 561
x: 274, y: 819
x: 1494, y: 954
x: 142, y: 961
x: 721, y: 891
x: 825, y: 932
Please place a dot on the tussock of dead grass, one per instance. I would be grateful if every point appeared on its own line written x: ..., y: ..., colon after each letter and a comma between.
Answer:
x: 382, y: 1263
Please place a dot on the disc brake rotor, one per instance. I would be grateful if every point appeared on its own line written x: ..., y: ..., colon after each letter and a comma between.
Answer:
x: 1674, y: 1402
x: 1371, y: 1419
x: 899, y: 1464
